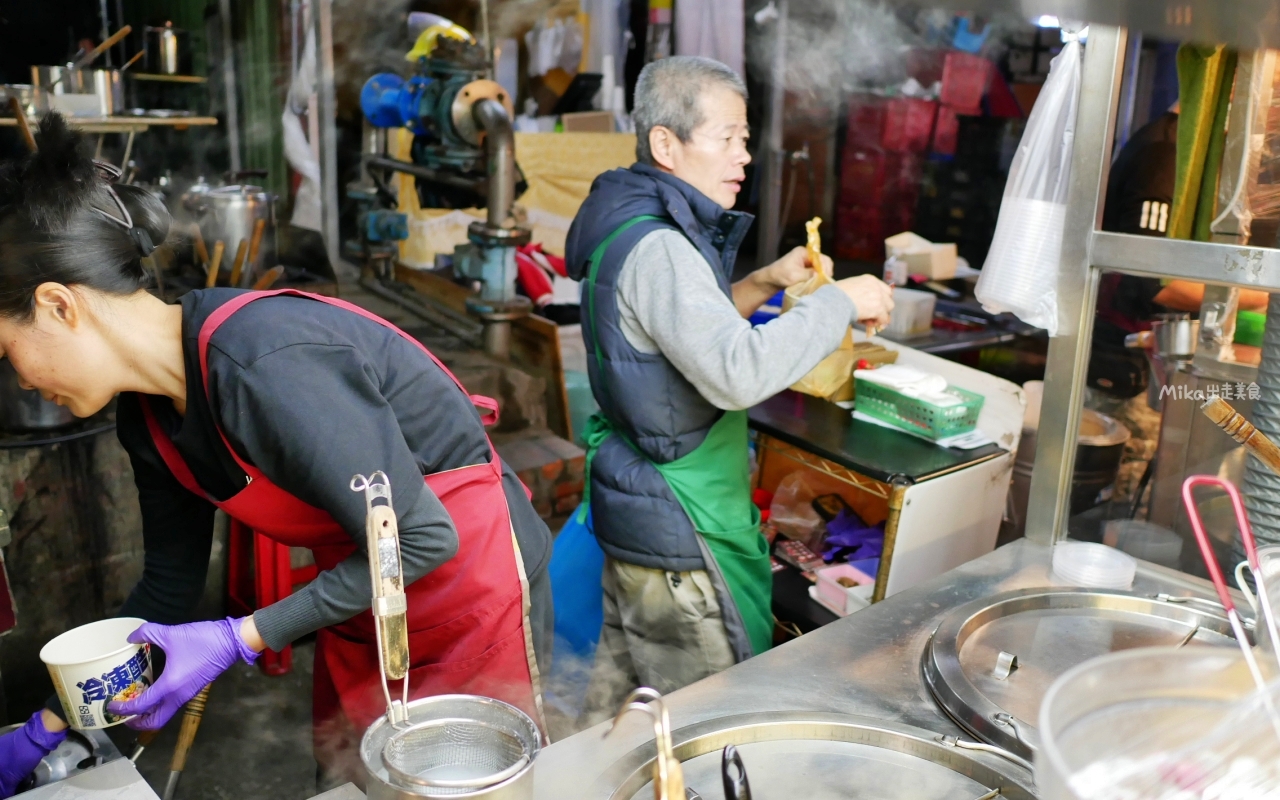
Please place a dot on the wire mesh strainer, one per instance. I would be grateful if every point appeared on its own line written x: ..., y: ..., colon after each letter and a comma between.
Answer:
x: 453, y: 756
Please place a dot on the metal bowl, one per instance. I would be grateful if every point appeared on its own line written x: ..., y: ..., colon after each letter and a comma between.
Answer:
x: 1110, y: 705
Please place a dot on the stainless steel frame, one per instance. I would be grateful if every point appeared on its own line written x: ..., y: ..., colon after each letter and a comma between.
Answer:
x: 1087, y: 251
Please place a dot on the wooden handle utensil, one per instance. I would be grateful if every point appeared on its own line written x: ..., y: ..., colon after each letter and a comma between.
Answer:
x: 269, y: 278
x: 215, y: 264
x: 192, y: 713
x: 197, y: 242
x: 134, y: 60
x: 15, y: 105
x: 255, y: 242
x: 238, y: 264
x: 111, y: 41
x: 1240, y: 429
x: 382, y: 531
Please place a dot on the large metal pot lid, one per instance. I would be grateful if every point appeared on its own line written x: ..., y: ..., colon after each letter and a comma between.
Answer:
x: 990, y: 662
x: 822, y: 756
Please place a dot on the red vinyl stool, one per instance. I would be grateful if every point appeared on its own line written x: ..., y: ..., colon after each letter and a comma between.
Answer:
x: 259, y: 572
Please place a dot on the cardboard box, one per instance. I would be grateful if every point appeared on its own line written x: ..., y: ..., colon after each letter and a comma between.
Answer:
x: 588, y: 122
x: 923, y: 257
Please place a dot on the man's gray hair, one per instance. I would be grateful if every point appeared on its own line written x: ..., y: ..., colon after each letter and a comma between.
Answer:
x: 669, y: 93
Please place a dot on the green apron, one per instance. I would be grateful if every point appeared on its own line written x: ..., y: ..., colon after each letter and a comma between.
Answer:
x: 713, y: 486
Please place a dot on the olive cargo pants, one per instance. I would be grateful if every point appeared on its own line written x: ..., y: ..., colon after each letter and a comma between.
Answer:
x: 661, y: 629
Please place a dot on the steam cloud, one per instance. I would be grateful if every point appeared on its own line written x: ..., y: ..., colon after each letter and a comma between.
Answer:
x: 835, y: 47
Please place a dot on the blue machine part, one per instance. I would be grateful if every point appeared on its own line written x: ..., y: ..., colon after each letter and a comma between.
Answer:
x: 389, y: 101
x: 495, y: 268
x: 382, y: 225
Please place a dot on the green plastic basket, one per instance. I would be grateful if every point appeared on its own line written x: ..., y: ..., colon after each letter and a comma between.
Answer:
x: 917, y: 416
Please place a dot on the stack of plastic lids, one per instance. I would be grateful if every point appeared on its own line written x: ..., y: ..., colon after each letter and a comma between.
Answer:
x: 1093, y: 565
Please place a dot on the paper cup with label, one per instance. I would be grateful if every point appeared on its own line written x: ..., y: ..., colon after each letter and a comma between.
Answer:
x: 95, y: 664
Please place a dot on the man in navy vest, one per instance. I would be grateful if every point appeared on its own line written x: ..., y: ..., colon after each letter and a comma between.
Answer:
x: 673, y: 365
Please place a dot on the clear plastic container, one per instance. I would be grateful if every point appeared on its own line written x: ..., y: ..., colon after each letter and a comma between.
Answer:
x: 1144, y: 540
x: 1093, y: 565
x: 912, y: 312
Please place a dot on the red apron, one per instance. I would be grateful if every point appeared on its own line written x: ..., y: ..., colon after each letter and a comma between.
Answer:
x: 468, y: 618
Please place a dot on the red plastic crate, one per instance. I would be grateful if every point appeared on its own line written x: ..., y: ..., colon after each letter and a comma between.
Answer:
x: 964, y: 81
x: 946, y: 132
x: 862, y: 176
x: 871, y: 177
x: 859, y: 233
x: 903, y: 173
x: 865, y: 121
x: 908, y: 124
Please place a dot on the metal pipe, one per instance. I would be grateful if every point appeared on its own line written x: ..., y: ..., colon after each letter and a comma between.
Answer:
x: 771, y: 153
x: 497, y: 339
x: 328, y: 111
x: 417, y: 170
x: 500, y: 148
x: 229, y: 85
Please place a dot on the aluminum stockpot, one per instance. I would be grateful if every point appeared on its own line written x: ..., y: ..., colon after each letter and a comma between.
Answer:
x: 24, y: 410
x: 228, y: 214
x: 1111, y: 705
x: 32, y: 99
x: 68, y: 89
x: 168, y: 50
x: 483, y: 710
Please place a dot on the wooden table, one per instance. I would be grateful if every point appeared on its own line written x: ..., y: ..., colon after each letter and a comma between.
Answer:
x: 125, y: 124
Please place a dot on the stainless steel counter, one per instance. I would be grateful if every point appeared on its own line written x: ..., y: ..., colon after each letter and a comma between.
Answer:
x: 866, y: 664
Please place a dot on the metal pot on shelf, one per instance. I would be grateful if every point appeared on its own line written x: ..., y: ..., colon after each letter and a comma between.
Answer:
x: 1169, y: 346
x: 24, y: 410
x: 79, y: 91
x: 168, y: 50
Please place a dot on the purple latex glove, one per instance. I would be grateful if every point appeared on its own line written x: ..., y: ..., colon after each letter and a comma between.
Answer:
x: 195, y: 654
x: 21, y: 751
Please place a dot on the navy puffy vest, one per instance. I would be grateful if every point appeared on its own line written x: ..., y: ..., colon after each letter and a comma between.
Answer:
x: 636, y: 517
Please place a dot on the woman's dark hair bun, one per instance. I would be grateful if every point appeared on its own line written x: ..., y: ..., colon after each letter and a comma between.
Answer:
x: 59, y: 223
x: 54, y: 182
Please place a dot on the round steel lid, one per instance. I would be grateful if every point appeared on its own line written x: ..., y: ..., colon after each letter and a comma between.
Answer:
x: 990, y: 662
x: 822, y: 756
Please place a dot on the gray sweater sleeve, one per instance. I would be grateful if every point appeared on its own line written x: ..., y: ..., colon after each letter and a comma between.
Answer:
x: 669, y: 303
x: 278, y: 433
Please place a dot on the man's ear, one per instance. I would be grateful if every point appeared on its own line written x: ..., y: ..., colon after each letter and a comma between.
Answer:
x: 662, y: 144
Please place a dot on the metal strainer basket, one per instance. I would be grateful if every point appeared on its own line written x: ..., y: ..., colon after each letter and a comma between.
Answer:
x: 452, y: 746
x: 453, y: 756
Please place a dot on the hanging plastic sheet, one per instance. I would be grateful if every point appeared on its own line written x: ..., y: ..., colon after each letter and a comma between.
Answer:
x: 1021, y: 269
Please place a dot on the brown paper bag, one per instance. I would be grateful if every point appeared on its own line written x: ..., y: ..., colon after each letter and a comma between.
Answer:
x: 832, y: 379
x: 835, y: 372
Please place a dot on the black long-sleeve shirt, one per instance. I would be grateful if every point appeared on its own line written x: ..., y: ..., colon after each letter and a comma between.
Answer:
x: 310, y: 395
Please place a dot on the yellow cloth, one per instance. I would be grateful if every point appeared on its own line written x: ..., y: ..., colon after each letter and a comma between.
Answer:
x: 1205, y: 74
x: 559, y: 168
